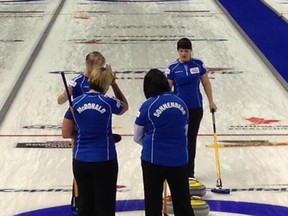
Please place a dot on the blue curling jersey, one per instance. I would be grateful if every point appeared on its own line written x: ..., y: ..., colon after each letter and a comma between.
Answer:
x: 93, y: 114
x: 186, y: 78
x: 80, y: 85
x: 165, y: 119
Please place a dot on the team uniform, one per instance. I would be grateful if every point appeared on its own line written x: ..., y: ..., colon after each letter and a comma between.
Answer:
x: 186, y: 79
x: 95, y: 165
x: 80, y: 85
x: 160, y: 127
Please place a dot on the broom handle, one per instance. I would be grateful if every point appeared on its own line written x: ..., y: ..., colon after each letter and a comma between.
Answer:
x: 66, y: 89
x: 76, y: 193
x: 219, y: 181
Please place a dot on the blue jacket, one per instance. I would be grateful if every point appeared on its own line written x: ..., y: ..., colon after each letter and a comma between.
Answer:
x: 80, y: 85
x: 186, y: 78
x: 93, y: 114
x: 165, y: 120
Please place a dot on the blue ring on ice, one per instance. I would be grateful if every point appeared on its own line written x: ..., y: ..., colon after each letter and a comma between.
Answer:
x: 215, y: 205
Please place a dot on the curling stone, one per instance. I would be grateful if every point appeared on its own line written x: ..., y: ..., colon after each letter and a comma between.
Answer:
x: 200, y: 207
x: 196, y: 188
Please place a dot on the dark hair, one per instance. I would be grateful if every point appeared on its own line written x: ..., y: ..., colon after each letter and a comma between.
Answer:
x: 155, y: 83
x: 184, y: 43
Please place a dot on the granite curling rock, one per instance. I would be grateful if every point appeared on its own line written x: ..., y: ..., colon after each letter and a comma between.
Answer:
x: 196, y: 188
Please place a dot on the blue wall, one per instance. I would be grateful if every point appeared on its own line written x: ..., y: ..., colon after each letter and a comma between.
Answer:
x: 267, y: 30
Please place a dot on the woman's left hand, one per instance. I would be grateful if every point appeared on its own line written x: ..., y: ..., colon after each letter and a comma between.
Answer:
x: 212, y: 107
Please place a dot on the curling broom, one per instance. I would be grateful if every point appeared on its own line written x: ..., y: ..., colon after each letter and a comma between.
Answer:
x: 218, y: 188
x: 75, y: 186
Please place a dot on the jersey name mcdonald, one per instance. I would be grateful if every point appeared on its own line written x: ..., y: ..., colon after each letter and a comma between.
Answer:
x: 91, y: 106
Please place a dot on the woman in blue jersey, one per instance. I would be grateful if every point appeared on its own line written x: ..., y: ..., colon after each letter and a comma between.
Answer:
x: 160, y: 127
x: 185, y: 75
x: 95, y: 165
x: 79, y: 85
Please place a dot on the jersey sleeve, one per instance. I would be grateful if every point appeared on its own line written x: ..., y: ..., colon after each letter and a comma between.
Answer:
x: 68, y: 114
x: 142, y: 115
x: 203, y: 69
x: 115, y: 104
x: 138, y: 134
x: 169, y: 73
x: 75, y: 84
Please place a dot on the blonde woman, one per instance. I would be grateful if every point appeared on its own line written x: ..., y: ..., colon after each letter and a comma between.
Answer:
x: 95, y: 165
x: 79, y: 85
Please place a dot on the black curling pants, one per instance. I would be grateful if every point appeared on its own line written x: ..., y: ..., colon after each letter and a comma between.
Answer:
x: 195, y: 117
x: 153, y: 179
x: 97, y: 187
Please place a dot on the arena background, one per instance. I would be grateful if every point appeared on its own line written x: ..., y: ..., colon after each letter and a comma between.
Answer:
x: 39, y: 39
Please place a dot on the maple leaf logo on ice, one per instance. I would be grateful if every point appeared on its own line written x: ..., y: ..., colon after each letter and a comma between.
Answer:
x: 257, y: 121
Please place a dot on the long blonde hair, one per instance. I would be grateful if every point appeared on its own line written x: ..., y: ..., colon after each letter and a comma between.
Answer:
x: 100, y: 79
x: 94, y: 60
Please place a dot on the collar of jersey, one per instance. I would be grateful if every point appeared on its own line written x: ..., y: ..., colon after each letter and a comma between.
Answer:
x: 93, y: 93
x: 178, y: 60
